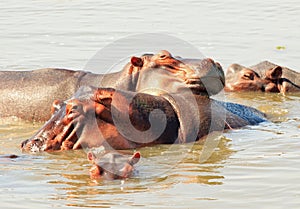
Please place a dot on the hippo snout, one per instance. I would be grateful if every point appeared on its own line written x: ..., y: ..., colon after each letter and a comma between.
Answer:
x: 32, y: 145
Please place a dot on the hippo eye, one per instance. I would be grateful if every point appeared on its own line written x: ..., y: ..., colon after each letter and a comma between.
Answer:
x: 163, y: 56
x: 73, y: 108
x: 248, y: 76
x: 76, y: 108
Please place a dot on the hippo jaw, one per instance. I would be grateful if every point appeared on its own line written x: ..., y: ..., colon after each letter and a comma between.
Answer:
x: 206, y: 77
x: 56, y: 134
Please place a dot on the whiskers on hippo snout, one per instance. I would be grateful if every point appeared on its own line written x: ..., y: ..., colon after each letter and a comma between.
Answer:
x: 62, y: 138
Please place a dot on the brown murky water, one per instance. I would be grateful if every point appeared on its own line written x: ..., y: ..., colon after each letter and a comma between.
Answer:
x: 252, y: 167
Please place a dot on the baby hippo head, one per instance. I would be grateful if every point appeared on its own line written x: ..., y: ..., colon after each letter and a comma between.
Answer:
x: 112, y: 165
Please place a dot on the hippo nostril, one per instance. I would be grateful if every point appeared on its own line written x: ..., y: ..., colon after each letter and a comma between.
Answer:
x: 36, y: 140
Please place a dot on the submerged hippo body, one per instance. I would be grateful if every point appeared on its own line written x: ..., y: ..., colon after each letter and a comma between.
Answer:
x: 264, y: 77
x: 99, y: 119
x: 29, y: 94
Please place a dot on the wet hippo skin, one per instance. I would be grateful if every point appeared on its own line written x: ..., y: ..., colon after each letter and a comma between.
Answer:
x: 263, y: 77
x: 29, y: 94
x: 89, y: 121
x: 111, y: 165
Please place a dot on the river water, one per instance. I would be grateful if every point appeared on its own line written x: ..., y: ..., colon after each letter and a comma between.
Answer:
x: 252, y: 167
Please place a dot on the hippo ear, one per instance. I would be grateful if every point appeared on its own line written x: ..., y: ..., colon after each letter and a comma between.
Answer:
x: 274, y: 73
x: 90, y: 156
x: 137, y: 61
x: 134, y: 158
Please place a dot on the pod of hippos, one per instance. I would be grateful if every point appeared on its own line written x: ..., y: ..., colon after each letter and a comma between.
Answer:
x: 165, y: 98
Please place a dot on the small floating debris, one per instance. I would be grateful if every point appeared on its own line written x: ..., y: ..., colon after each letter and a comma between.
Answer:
x: 280, y: 47
x: 9, y: 156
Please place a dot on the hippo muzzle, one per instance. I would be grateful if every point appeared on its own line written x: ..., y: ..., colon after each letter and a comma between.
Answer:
x: 206, y: 76
x: 68, y: 124
x: 58, y: 133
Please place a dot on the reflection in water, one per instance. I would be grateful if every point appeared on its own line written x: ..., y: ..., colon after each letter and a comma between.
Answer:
x: 190, y: 170
x: 276, y: 106
x: 259, y: 168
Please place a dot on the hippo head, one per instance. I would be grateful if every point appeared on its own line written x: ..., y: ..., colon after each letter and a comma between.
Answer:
x: 76, y: 123
x: 112, y: 165
x: 239, y: 78
x: 161, y: 72
x: 105, y: 117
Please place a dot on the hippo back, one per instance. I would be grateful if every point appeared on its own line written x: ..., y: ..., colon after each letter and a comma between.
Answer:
x: 29, y: 94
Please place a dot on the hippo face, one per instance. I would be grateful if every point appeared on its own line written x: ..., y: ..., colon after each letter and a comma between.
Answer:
x: 162, y: 72
x: 112, y: 165
x: 239, y: 78
x: 74, y: 123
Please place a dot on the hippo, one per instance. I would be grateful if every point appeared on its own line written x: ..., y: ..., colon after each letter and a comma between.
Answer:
x: 30, y: 94
x: 263, y: 77
x: 90, y: 120
x: 111, y: 165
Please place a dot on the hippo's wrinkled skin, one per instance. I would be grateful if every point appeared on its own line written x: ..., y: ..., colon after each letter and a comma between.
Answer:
x: 263, y: 77
x: 29, y: 94
x: 112, y: 165
x: 89, y: 121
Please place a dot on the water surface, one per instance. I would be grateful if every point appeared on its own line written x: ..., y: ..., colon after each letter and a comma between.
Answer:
x: 252, y: 167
